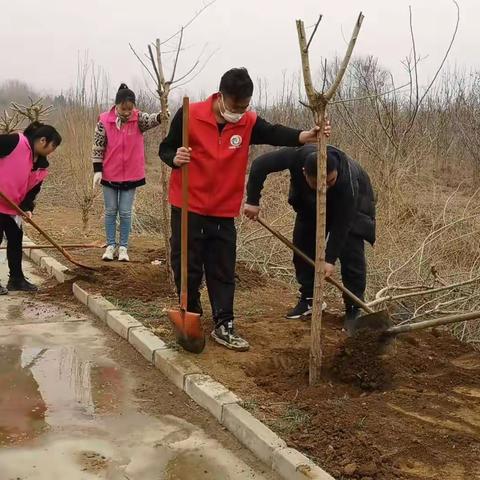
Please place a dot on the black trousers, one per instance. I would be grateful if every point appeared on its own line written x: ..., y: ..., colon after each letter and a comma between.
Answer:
x: 14, y: 235
x: 212, y: 243
x: 352, y: 260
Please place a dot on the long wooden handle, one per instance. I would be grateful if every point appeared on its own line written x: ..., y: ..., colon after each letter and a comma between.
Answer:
x: 65, y: 246
x: 42, y: 232
x: 436, y: 322
x: 307, y: 259
x: 184, y: 226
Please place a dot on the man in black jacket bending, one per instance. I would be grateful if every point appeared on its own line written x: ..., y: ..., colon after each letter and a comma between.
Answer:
x: 350, y: 217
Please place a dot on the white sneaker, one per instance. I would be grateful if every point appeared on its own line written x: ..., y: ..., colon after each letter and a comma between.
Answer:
x: 109, y: 253
x: 123, y: 255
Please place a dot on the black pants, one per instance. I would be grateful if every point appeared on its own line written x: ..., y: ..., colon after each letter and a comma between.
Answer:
x: 352, y: 260
x: 212, y: 243
x: 14, y: 236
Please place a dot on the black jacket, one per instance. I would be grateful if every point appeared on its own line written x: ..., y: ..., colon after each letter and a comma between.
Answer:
x: 350, y: 202
x: 8, y: 143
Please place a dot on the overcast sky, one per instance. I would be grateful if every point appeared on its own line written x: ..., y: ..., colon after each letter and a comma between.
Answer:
x: 41, y: 39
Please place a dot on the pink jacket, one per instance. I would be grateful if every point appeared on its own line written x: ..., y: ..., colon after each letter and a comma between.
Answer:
x: 124, y: 159
x: 16, y: 175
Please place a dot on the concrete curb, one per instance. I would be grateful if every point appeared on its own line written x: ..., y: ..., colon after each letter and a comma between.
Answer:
x: 49, y: 264
x: 211, y: 395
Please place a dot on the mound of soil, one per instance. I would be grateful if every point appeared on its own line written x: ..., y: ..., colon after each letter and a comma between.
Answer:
x: 362, y: 361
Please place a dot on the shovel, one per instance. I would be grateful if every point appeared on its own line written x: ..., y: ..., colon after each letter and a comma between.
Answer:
x: 187, y: 325
x: 377, y: 320
x: 68, y: 246
x: 43, y: 233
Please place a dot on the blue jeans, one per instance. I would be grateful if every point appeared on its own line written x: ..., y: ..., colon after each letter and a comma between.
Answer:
x: 118, y: 203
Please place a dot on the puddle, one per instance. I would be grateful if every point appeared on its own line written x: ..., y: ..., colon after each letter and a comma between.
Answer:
x: 27, y: 311
x: 194, y: 466
x: 52, y: 387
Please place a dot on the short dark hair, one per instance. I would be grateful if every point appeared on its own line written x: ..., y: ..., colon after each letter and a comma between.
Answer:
x: 237, y: 84
x: 37, y: 130
x: 124, y: 94
x: 310, y: 164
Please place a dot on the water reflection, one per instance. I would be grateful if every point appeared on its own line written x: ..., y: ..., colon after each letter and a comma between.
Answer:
x: 52, y: 387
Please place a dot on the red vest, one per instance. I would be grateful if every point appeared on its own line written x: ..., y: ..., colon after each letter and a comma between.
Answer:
x: 218, y: 163
x: 124, y: 159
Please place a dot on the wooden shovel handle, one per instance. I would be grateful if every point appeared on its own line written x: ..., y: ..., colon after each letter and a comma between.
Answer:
x: 42, y: 232
x: 307, y: 259
x: 436, y: 322
x: 184, y: 225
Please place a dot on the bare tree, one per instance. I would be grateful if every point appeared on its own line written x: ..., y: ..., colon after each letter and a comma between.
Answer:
x: 154, y: 64
x: 9, y: 122
x: 318, y: 101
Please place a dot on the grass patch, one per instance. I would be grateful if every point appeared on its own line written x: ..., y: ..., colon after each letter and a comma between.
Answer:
x: 291, y: 420
x: 145, y: 311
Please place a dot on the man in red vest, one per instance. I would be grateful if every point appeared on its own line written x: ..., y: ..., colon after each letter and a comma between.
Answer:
x: 221, y: 130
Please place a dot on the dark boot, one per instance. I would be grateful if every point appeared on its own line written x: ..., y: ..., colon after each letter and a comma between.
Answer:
x: 3, y: 290
x: 302, y: 309
x: 350, y: 320
x: 21, y: 285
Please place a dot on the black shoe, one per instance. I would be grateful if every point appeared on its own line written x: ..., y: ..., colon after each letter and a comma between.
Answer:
x: 3, y: 290
x: 225, y: 335
x: 302, y: 309
x: 350, y: 320
x: 21, y: 285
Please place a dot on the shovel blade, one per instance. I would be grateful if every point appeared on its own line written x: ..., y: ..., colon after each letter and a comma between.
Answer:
x: 378, y: 321
x: 188, y: 330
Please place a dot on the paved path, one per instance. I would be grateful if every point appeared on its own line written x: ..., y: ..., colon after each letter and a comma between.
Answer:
x: 77, y: 402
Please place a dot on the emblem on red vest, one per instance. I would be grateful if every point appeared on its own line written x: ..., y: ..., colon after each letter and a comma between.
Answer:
x: 236, y: 141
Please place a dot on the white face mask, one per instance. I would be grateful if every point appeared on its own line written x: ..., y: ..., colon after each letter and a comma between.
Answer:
x: 230, y: 117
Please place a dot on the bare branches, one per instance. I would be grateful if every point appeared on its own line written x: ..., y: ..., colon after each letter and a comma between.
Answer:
x: 346, y: 60
x: 307, y: 72
x: 9, y: 123
x: 142, y: 62
x: 35, y: 112
x: 195, y: 16
x: 176, y: 56
x: 314, y: 31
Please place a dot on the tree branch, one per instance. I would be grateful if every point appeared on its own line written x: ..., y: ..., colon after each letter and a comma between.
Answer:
x: 348, y: 54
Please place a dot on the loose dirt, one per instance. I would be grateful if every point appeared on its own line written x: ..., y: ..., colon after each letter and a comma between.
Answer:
x: 410, y: 412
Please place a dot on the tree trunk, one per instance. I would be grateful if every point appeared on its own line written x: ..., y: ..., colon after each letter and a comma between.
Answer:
x: 316, y: 327
x: 164, y: 205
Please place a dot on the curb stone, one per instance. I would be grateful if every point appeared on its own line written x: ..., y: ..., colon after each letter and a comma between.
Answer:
x: 80, y: 294
x: 121, y: 322
x: 222, y: 403
x: 100, y: 306
x: 47, y: 263
x: 209, y: 394
x: 292, y: 464
x: 145, y: 342
x: 175, y: 366
x: 252, y: 433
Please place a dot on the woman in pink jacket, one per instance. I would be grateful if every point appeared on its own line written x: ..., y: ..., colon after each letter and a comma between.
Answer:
x: 23, y: 167
x: 119, y: 165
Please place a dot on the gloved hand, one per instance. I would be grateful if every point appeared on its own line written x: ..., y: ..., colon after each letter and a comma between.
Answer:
x: 97, y: 178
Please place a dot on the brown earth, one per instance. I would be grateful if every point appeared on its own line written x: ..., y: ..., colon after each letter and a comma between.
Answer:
x: 409, y: 412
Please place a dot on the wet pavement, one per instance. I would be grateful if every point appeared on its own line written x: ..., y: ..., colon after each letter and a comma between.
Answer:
x: 70, y: 406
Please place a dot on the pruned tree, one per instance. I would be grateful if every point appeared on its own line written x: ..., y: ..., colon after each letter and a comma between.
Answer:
x: 9, y: 123
x: 35, y: 112
x: 317, y: 103
x: 160, y: 53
